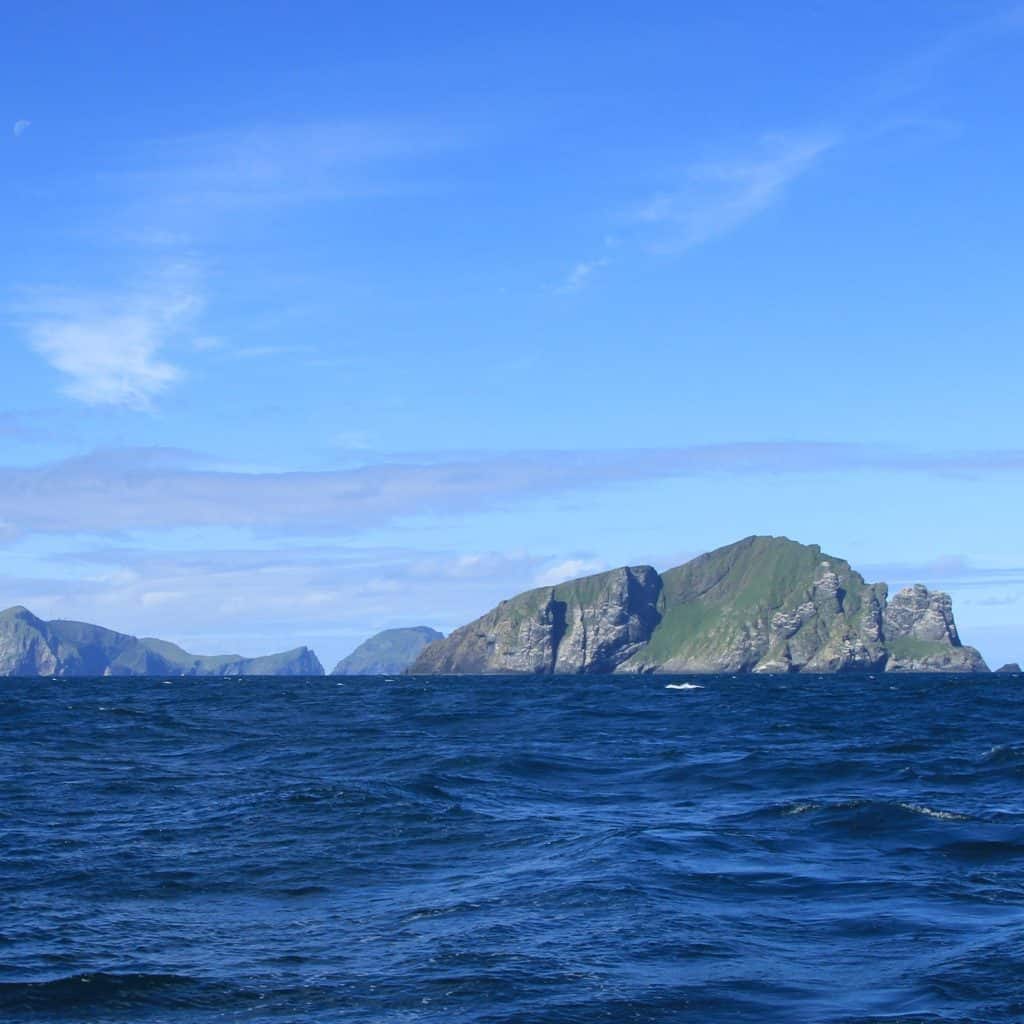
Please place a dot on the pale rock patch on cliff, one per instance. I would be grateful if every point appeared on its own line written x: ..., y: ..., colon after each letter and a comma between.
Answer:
x: 25, y: 646
x: 921, y: 634
x: 586, y: 625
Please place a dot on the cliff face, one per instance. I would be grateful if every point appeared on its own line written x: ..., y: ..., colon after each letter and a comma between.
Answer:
x: 922, y: 635
x: 920, y: 614
x: 31, y: 647
x: 25, y: 647
x: 388, y: 652
x: 764, y: 604
x: 587, y: 625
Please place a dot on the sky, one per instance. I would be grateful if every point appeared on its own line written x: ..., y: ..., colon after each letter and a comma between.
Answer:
x: 321, y: 319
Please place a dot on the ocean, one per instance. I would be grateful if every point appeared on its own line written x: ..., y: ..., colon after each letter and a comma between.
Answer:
x: 543, y: 851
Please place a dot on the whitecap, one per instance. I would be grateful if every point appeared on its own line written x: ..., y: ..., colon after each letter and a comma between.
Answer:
x: 802, y: 808
x: 683, y: 686
x: 929, y: 812
x: 1002, y: 752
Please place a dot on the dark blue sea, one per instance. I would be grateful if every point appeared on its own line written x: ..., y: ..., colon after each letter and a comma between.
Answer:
x: 512, y: 850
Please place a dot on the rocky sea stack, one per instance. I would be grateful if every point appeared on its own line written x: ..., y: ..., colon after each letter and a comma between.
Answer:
x: 764, y: 604
x: 31, y: 647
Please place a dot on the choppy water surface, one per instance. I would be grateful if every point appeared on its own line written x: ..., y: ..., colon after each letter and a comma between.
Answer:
x: 499, y: 850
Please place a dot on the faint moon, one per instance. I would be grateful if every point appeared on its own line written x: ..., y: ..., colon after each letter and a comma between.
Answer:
x: 20, y: 127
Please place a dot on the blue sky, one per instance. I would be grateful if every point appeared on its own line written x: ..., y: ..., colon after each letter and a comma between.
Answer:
x: 318, y: 320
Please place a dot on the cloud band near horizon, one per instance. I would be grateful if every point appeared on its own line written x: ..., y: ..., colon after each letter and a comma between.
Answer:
x: 120, y: 490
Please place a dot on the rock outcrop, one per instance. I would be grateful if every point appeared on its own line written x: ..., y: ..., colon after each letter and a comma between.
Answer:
x: 387, y: 653
x: 921, y: 614
x: 31, y: 647
x: 1011, y: 668
x: 592, y: 624
x: 922, y: 636
x: 764, y: 604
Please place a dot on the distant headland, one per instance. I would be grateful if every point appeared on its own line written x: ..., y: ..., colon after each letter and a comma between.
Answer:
x: 761, y: 605
x: 31, y: 647
x: 389, y: 652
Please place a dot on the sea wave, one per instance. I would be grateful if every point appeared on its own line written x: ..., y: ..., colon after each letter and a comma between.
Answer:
x: 489, y: 851
x: 111, y: 991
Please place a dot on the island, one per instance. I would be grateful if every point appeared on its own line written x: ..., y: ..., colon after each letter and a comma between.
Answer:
x: 761, y: 605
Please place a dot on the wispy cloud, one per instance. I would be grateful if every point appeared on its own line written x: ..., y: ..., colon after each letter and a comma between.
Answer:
x: 917, y: 71
x: 109, y: 346
x: 267, y: 351
x: 125, y: 490
x: 715, y: 198
x: 207, y: 343
x: 581, y: 275
x: 568, y: 569
x: 718, y: 197
x: 20, y: 127
x: 190, y: 182
x: 253, y: 600
x: 946, y: 571
x: 113, y: 348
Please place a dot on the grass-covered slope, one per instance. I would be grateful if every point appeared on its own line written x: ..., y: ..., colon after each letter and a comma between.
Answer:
x: 388, y: 652
x: 765, y: 604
